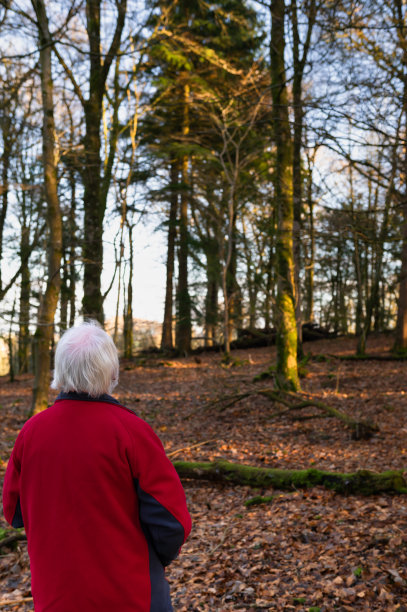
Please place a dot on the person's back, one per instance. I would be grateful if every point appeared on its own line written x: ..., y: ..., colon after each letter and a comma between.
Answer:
x: 102, y: 506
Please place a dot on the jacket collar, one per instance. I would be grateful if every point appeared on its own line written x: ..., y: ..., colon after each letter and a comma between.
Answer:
x: 85, y: 397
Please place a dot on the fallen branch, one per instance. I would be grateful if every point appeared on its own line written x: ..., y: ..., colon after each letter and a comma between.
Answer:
x: 361, y: 430
x: 220, y: 543
x: 362, y: 482
x: 15, y: 602
x: 309, y: 417
x: 15, y: 537
x: 232, y: 399
x: 371, y: 357
x: 186, y: 448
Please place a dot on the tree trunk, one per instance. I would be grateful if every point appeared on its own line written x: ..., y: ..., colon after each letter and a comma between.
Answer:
x: 357, y: 260
x: 212, y: 288
x: 226, y: 282
x: 45, y: 328
x: 297, y: 175
x: 72, y: 229
x: 287, y: 372
x: 5, y: 159
x: 119, y: 268
x: 167, y: 335
x: 269, y: 297
x: 183, y: 329
x: 64, y: 297
x: 359, y: 285
x: 338, y: 303
x: 251, y: 279
x: 211, y: 312
x: 343, y: 310
x: 361, y: 482
x: 311, y: 259
x: 299, y: 65
x: 24, y: 333
x: 232, y: 286
x: 400, y: 341
x: 92, y: 302
x: 94, y: 196
x: 128, y: 318
x: 11, y: 371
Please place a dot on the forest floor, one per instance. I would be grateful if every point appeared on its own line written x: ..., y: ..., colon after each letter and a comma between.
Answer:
x: 307, y: 550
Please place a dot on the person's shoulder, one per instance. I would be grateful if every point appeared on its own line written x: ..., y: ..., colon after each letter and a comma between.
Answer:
x: 36, y: 418
x: 130, y: 416
x: 32, y: 422
x: 135, y: 424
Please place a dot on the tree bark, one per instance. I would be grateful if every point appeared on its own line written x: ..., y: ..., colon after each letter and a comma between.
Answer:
x: 94, y: 196
x: 5, y: 159
x: 183, y: 329
x: 309, y: 276
x: 119, y: 266
x: 231, y: 284
x: 45, y: 328
x: 24, y: 315
x: 269, y: 297
x: 287, y: 372
x: 400, y: 341
x: 128, y: 318
x: 299, y: 65
x: 64, y: 294
x: 167, y: 335
x: 72, y: 228
x: 11, y: 371
x: 212, y: 288
x: 251, y: 279
x: 227, y: 273
x: 93, y: 219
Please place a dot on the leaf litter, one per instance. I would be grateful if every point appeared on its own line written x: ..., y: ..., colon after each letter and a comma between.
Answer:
x: 307, y: 550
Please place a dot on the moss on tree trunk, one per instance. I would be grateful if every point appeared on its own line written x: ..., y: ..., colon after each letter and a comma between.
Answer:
x: 45, y: 328
x: 287, y: 374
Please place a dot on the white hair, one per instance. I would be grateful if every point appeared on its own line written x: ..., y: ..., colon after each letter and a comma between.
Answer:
x: 86, y: 361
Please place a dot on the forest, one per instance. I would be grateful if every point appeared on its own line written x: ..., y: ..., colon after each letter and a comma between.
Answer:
x: 265, y: 142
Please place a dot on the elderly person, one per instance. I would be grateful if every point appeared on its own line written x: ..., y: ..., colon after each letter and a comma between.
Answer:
x: 102, y: 506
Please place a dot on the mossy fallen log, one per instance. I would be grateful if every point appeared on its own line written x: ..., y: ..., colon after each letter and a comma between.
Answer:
x: 362, y: 482
x: 8, y: 537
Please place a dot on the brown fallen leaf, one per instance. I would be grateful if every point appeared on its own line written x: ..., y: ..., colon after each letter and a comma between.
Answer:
x: 396, y: 576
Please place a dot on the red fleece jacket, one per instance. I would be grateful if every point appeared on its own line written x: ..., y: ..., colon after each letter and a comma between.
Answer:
x: 102, y: 506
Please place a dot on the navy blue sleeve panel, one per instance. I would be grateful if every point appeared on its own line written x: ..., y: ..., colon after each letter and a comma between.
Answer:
x: 165, y: 532
x: 160, y: 590
x: 11, y: 488
x: 17, y: 521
